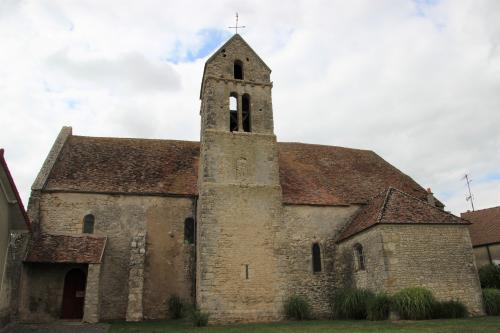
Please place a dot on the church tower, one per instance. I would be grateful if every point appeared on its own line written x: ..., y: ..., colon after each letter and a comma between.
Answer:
x: 240, y: 207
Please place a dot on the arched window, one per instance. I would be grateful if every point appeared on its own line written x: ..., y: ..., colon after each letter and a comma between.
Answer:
x: 189, y: 230
x: 245, y: 112
x: 360, y: 257
x: 233, y: 112
x: 316, y: 257
x: 88, y: 224
x: 238, y: 70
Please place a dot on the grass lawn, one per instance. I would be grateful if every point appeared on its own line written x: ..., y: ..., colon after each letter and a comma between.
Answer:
x: 474, y: 325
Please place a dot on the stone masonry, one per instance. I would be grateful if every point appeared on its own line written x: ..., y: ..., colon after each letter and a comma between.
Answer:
x: 136, y: 277
x: 229, y: 223
x: 92, y: 294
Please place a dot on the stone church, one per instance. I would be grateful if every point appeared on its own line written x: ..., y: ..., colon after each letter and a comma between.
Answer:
x: 233, y: 224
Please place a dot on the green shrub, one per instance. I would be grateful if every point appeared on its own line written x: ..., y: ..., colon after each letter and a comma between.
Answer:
x: 449, y: 309
x: 491, y: 299
x: 199, y: 318
x: 378, y: 307
x: 489, y: 276
x: 297, y: 307
x: 175, y: 307
x: 414, y: 303
x: 351, y: 303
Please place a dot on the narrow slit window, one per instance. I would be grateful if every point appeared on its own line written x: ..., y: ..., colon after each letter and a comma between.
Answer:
x: 189, y: 230
x: 233, y: 112
x: 238, y: 70
x: 88, y: 224
x: 360, y: 257
x: 246, y: 271
x: 316, y: 256
x: 245, y: 112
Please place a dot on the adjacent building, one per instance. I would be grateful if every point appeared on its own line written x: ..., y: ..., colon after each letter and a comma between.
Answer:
x: 14, y: 228
x: 485, y: 234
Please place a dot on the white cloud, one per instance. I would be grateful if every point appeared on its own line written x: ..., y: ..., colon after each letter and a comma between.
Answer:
x: 415, y: 81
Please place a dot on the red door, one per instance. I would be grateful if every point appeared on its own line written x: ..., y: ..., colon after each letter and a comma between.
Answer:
x: 73, y: 294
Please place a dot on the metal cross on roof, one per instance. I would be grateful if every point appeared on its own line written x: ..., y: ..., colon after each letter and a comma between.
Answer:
x: 236, y: 26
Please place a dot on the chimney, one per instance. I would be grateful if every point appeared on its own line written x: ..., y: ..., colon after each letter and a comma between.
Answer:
x: 430, y: 198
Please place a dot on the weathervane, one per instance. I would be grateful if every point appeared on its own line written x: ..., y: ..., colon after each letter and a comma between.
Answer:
x: 236, y: 26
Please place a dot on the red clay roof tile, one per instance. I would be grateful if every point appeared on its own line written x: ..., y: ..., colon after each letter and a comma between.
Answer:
x: 396, y: 207
x: 309, y: 174
x: 485, y: 227
x: 81, y: 249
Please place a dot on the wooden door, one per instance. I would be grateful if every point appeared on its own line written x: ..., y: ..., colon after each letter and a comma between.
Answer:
x: 73, y: 294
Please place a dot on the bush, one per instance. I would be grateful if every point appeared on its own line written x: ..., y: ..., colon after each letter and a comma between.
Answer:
x: 489, y: 276
x: 414, y: 303
x: 378, y: 307
x: 351, y: 303
x: 491, y: 299
x: 199, y: 318
x: 175, y: 307
x: 297, y: 307
x: 449, y: 309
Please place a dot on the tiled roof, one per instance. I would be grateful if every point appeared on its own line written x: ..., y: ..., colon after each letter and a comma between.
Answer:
x: 3, y: 164
x: 80, y: 249
x: 116, y: 165
x: 396, y: 207
x: 309, y: 174
x: 330, y: 175
x: 485, y: 227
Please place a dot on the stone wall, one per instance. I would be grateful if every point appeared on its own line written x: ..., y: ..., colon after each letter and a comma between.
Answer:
x: 42, y: 290
x: 436, y: 257
x: 302, y: 227
x: 10, y: 284
x: 120, y: 217
x: 170, y: 260
x: 221, y: 63
x: 239, y: 275
x: 215, y: 105
x: 136, y: 278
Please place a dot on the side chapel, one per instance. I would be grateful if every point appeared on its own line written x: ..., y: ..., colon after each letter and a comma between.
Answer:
x: 234, y: 223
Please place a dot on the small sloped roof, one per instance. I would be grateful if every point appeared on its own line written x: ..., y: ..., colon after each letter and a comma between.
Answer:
x: 393, y: 206
x: 77, y: 249
x: 3, y: 165
x: 309, y: 174
x: 485, y: 227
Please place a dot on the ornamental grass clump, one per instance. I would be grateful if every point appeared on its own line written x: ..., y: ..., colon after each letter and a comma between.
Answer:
x: 351, y: 303
x: 175, y: 307
x: 491, y: 300
x: 199, y: 318
x: 297, y: 307
x: 449, y: 309
x: 378, y: 307
x: 414, y: 303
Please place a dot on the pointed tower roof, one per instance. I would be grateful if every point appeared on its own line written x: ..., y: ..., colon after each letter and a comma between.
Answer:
x: 233, y: 39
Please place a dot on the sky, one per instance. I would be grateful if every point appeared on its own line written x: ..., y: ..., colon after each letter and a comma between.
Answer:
x: 416, y: 81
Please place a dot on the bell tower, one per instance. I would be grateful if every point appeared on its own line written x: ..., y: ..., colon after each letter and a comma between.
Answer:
x: 239, y: 205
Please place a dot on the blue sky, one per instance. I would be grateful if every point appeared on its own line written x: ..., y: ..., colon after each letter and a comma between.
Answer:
x: 415, y: 81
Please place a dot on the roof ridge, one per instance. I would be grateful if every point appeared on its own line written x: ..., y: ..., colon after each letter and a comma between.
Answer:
x: 324, y: 145
x: 384, y: 205
x: 479, y: 210
x: 131, y: 138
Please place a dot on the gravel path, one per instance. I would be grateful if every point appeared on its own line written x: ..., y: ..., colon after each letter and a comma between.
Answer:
x: 57, y: 327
